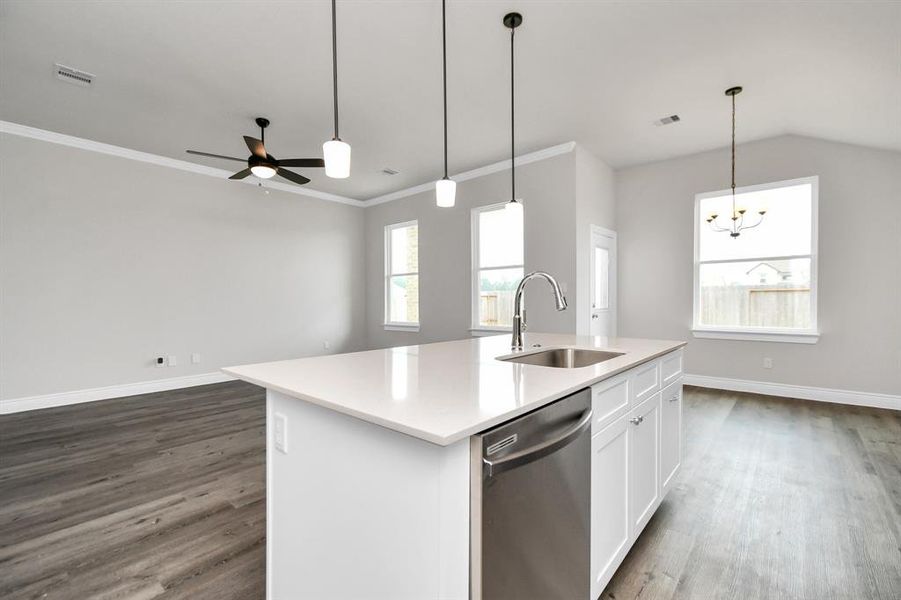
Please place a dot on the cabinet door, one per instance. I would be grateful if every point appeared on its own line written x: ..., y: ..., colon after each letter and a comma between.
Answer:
x: 610, y: 530
x: 670, y: 435
x: 644, y: 472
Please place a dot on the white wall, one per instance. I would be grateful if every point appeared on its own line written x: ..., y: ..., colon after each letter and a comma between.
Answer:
x: 595, y: 205
x: 547, y: 188
x: 859, y: 257
x: 106, y: 263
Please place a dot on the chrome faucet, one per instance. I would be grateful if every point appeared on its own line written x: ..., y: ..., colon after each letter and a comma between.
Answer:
x: 559, y: 298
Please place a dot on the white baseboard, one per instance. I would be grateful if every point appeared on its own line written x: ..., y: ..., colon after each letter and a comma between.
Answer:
x: 15, y: 405
x: 796, y: 391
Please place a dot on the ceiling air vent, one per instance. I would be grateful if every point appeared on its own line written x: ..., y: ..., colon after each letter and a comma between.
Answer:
x: 75, y: 76
x: 667, y: 120
x: 389, y: 171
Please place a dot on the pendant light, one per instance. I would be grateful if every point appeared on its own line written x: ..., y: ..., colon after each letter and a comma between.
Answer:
x: 512, y: 21
x: 445, y: 188
x: 336, y: 152
x: 738, y: 215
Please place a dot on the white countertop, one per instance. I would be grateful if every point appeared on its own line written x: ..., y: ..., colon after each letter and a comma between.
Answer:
x: 446, y: 391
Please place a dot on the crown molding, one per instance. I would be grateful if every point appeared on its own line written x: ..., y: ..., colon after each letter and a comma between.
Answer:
x: 183, y: 165
x: 162, y: 161
x: 503, y: 165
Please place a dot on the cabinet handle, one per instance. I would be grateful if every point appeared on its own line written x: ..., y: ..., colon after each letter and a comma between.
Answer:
x: 674, y: 398
x: 636, y: 420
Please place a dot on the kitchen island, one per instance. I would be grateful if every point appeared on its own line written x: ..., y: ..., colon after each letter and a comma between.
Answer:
x: 370, y: 469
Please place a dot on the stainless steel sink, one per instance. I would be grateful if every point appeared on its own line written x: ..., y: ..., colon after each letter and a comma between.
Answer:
x: 563, y: 358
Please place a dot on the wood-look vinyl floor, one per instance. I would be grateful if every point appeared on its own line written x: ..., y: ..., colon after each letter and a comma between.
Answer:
x: 778, y: 499
x: 155, y: 496
x: 162, y: 496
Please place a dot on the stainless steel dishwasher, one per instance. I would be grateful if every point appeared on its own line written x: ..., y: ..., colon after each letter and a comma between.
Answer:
x: 530, y: 513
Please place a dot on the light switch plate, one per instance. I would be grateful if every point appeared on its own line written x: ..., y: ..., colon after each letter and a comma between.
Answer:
x: 281, y: 433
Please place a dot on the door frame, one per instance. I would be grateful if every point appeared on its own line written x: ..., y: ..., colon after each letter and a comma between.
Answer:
x: 613, y: 275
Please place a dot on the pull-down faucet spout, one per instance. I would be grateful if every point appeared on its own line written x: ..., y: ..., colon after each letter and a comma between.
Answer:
x: 559, y: 299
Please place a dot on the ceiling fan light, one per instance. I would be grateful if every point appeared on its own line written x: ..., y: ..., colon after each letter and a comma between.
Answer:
x: 263, y: 171
x: 445, y: 192
x: 337, y: 159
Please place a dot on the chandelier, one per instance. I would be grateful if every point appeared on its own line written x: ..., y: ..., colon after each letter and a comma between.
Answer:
x: 738, y: 214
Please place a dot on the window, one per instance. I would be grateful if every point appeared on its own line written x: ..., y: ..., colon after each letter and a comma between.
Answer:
x: 497, y: 265
x: 762, y: 284
x: 402, y: 276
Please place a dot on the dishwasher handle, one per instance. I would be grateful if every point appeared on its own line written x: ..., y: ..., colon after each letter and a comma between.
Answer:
x: 541, y: 450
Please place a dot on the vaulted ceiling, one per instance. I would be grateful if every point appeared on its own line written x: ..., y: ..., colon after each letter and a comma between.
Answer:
x: 192, y: 74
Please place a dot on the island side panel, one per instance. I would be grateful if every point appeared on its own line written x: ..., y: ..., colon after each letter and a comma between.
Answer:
x: 355, y: 510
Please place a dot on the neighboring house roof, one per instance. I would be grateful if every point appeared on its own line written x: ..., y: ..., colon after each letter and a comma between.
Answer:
x: 766, y: 264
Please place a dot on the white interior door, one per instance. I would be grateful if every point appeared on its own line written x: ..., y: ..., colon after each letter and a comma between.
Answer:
x: 602, y: 282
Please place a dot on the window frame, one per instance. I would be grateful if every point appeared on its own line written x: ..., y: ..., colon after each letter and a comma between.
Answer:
x: 760, y: 334
x: 388, y: 323
x: 476, y: 328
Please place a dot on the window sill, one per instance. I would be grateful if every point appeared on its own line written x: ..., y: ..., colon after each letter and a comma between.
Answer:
x: 758, y: 335
x: 411, y: 327
x: 486, y: 331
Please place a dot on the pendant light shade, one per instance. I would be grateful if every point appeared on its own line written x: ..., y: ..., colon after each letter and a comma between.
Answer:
x: 514, y: 207
x: 335, y: 152
x: 445, y: 192
x: 446, y: 188
x: 512, y: 21
x: 337, y: 158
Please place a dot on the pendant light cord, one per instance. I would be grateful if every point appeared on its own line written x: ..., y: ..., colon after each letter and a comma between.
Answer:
x: 733, y: 157
x: 512, y: 124
x: 444, y: 76
x: 335, y: 64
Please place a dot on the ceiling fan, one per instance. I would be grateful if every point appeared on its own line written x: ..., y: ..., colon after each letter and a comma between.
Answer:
x: 263, y: 164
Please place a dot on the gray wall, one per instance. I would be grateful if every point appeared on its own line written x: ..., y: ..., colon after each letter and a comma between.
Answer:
x: 548, y: 192
x: 595, y: 205
x: 106, y: 263
x: 859, y: 258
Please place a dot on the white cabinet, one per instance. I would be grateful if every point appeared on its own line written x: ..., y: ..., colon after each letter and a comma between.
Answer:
x: 644, y: 468
x: 610, y: 526
x: 636, y: 451
x: 609, y: 400
x: 670, y: 368
x: 644, y: 381
x: 670, y: 434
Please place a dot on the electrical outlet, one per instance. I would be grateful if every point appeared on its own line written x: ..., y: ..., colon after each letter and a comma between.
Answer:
x: 172, y: 361
x: 767, y: 363
x: 195, y: 359
x: 326, y: 345
x: 281, y: 433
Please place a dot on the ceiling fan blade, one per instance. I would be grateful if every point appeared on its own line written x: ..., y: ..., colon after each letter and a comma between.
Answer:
x: 256, y: 146
x: 241, y: 174
x: 215, y: 155
x: 291, y: 176
x: 302, y: 162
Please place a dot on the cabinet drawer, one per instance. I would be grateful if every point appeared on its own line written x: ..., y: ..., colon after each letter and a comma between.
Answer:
x: 609, y: 400
x: 670, y: 368
x: 644, y: 381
